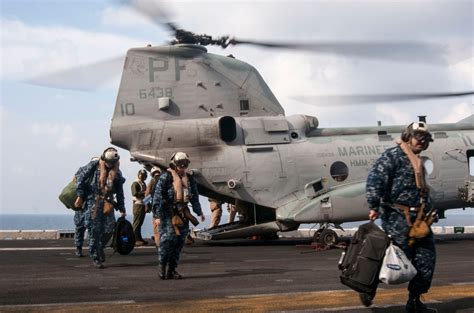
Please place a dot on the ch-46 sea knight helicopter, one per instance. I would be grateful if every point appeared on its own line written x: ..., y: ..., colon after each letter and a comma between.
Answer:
x: 281, y: 171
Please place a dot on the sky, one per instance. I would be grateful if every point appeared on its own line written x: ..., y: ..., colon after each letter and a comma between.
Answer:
x: 47, y: 133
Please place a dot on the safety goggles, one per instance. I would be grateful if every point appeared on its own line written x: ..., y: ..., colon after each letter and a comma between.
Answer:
x: 182, y: 163
x: 423, y: 137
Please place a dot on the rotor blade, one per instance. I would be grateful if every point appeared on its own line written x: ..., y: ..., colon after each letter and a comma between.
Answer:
x: 395, y: 51
x: 86, y: 78
x: 153, y: 11
x: 331, y: 100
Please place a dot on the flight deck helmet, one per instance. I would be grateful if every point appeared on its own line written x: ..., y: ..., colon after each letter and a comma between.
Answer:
x: 179, y: 159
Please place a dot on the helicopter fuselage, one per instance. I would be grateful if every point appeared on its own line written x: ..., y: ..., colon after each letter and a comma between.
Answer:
x: 220, y: 111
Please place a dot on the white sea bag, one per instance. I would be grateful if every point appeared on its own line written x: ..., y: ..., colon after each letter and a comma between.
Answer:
x: 396, y: 267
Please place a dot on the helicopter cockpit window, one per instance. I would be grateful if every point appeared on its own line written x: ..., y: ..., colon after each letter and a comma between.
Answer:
x: 244, y: 105
x: 227, y: 128
x: 339, y: 171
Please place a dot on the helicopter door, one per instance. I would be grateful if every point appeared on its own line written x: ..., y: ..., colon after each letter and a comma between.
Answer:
x: 262, y: 156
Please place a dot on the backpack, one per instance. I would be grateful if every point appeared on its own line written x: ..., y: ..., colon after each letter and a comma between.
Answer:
x: 361, y: 262
x: 123, y: 241
x: 68, y: 195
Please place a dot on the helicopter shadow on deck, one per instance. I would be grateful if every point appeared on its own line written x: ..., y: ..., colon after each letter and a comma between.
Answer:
x: 259, y: 242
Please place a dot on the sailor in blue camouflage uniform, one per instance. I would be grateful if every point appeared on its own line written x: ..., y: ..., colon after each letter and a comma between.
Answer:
x: 392, y: 187
x: 173, y: 191
x: 80, y: 223
x: 96, y: 184
x: 80, y: 229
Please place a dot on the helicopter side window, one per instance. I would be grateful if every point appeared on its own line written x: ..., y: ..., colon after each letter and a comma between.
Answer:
x: 339, y: 171
x: 428, y: 165
x: 470, y: 157
x: 227, y: 128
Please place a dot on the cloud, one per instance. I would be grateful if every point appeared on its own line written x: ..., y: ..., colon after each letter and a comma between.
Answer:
x: 34, y: 49
x: 462, y: 73
x: 124, y: 16
x: 3, y: 114
x: 61, y: 134
x: 458, y: 112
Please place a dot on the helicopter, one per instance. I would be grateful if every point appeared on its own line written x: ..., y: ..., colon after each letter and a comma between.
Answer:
x: 281, y: 171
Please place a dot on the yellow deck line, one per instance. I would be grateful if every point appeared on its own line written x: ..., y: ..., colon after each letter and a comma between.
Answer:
x: 275, y: 302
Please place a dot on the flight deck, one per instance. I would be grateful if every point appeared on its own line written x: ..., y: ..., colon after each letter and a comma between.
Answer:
x: 231, y: 275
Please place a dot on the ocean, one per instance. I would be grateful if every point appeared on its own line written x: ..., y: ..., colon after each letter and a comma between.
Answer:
x: 65, y: 222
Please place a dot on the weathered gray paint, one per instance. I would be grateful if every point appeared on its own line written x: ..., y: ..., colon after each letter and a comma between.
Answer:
x: 273, y: 157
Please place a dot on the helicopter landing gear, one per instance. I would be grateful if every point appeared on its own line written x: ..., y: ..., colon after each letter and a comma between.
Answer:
x: 326, y: 236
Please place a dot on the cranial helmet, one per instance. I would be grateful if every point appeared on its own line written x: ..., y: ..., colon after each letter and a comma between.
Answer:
x: 154, y: 170
x: 419, y: 130
x: 418, y: 126
x: 180, y: 158
x: 110, y: 155
x: 142, y: 172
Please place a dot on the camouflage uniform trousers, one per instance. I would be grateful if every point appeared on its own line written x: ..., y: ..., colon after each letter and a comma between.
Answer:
x: 422, y: 253
x: 80, y: 223
x: 100, y: 228
x: 171, y: 244
x: 138, y: 218
x: 216, y: 216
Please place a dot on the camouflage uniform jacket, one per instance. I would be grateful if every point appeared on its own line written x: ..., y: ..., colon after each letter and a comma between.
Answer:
x: 87, y: 184
x: 163, y: 196
x: 392, y: 180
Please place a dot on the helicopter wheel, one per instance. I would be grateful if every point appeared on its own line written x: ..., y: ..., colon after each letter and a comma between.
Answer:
x: 317, y: 235
x: 328, y: 237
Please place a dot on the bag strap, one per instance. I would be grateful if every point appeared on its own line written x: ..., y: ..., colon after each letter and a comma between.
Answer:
x: 406, y: 212
x: 416, y: 165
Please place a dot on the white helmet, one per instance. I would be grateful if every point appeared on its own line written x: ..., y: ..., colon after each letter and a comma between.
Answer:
x: 419, y: 131
x: 180, y: 158
x: 110, y: 155
x: 418, y: 126
x: 155, y: 169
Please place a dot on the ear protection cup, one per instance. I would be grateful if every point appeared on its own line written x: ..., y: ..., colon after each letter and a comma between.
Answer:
x: 405, y: 136
x: 406, y: 133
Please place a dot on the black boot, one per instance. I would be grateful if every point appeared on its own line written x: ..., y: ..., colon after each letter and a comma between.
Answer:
x: 162, y: 271
x: 173, y: 274
x: 98, y: 264
x: 79, y: 252
x: 101, y: 255
x: 414, y: 305
x: 366, y: 299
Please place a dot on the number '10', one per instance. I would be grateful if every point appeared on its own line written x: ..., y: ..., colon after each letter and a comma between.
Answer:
x: 127, y: 109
